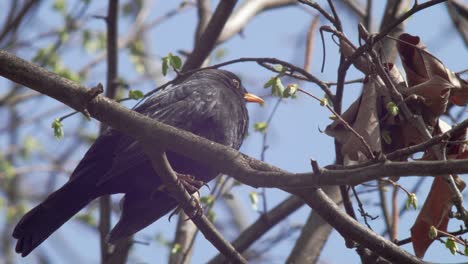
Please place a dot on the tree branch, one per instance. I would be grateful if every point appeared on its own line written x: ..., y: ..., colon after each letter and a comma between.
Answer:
x: 228, y: 160
x: 176, y: 189
x: 208, y: 39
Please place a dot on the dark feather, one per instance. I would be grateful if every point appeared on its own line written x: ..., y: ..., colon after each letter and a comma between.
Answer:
x: 208, y: 103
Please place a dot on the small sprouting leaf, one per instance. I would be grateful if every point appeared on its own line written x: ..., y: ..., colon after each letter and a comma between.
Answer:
x: 254, y: 200
x: 58, y: 128
x: 433, y: 233
x: 392, y: 108
x: 451, y: 245
x: 87, y: 218
x: 138, y: 62
x: 387, y: 138
x: 333, y: 117
x: 211, y: 215
x: 165, y: 65
x: 412, y: 201
x: 282, y: 69
x: 220, y: 53
x: 177, y: 248
x: 7, y: 168
x: 208, y: 200
x: 135, y: 94
x: 324, y: 101
x: 269, y: 83
x: 60, y: 5
x: 278, y: 87
x: 466, y: 251
x: 236, y: 183
x: 30, y: 145
x: 290, y: 90
x: 64, y: 35
x: 261, y: 127
x: 175, y: 61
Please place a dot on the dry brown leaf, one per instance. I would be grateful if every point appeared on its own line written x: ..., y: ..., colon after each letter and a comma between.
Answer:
x: 435, y: 93
x: 435, y: 212
x: 459, y: 96
x: 347, y: 49
x: 436, y: 208
x: 419, y: 64
x: 363, y: 117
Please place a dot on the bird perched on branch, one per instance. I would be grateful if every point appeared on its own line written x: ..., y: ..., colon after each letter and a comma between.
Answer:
x: 209, y: 103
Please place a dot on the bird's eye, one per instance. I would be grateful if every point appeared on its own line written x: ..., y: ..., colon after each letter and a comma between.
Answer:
x: 236, y: 83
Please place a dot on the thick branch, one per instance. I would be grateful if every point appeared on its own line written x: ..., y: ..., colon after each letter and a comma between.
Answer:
x: 227, y: 160
x: 246, y: 12
x: 208, y: 39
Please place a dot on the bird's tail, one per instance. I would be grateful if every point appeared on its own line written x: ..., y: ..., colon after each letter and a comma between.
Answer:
x: 39, y: 223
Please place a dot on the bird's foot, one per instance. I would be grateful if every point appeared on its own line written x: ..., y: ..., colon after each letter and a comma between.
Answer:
x: 190, y: 183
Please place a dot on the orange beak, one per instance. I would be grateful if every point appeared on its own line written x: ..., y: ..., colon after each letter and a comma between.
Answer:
x: 252, y: 98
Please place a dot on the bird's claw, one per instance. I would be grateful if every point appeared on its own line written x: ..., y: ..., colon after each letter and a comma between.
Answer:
x: 190, y: 183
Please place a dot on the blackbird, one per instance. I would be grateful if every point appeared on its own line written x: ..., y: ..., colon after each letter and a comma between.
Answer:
x: 209, y: 103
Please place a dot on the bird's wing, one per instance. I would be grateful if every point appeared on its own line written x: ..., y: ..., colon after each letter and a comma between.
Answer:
x: 182, y: 107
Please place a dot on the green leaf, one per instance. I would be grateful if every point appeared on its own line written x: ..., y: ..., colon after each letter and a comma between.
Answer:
x: 14, y: 211
x: 220, y: 53
x: 236, y: 183
x: 64, y: 35
x: 412, y: 201
x: 324, y: 101
x: 269, y: 83
x: 211, y: 215
x: 7, y: 168
x: 208, y: 200
x: 176, y: 249
x: 135, y: 94
x: 30, y: 145
x: 282, y: 69
x: 87, y: 218
x: 451, y: 245
x: 466, y: 251
x: 278, y: 87
x: 261, y: 127
x: 127, y: 9
x: 165, y: 65
x: 290, y: 90
x: 175, y: 61
x: 60, y: 5
x: 433, y: 232
x: 393, y: 109
x: 254, y: 200
x: 58, y: 128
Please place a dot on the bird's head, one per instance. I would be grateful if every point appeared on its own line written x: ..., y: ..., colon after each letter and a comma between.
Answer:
x: 234, y: 82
